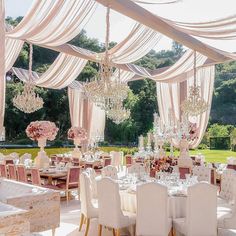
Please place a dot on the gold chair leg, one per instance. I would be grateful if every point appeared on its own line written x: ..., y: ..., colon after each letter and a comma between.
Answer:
x: 118, y: 232
x: 81, y: 221
x: 173, y: 232
x: 67, y: 197
x: 100, y: 230
x: 87, y: 227
x: 53, y: 232
x: 133, y: 229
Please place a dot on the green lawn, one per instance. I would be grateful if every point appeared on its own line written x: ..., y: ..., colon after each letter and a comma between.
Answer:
x: 211, y: 155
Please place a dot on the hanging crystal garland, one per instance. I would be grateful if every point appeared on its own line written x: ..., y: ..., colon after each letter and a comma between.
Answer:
x: 28, y: 101
x: 107, y: 89
x: 194, y: 105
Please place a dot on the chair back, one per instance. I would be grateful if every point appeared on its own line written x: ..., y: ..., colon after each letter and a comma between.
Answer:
x: 136, y: 168
x: 93, y: 183
x: 183, y: 171
x: 21, y: 173
x: 152, y: 204
x: 106, y: 161
x: 9, y: 161
x: 3, y: 170
x: 12, y: 171
x: 185, y: 162
x: 110, y: 171
x: 24, y: 157
x: 201, y: 215
x: 128, y: 160
x: 73, y: 176
x: 35, y: 176
x: 228, y: 182
x: 203, y: 173
x: 117, y: 158
x: 231, y: 166
x: 109, y: 203
x: 85, y: 196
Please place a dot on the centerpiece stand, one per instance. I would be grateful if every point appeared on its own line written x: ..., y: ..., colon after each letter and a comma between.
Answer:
x: 42, y: 161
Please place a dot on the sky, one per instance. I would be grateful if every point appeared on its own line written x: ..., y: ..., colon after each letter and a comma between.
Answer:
x: 185, y: 10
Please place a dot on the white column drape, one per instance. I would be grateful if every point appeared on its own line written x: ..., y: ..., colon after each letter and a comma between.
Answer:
x: 64, y: 70
x: 2, y: 64
x: 53, y: 23
x: 85, y: 114
x: 170, y: 96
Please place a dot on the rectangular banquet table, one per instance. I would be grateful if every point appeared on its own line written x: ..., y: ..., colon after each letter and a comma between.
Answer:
x: 177, y: 204
x: 13, y: 221
x: 42, y: 205
x: 50, y: 176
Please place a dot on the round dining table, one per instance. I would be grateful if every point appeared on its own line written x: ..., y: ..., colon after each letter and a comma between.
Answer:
x: 177, y: 196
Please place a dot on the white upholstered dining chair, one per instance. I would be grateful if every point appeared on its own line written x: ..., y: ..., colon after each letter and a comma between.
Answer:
x: 136, y: 168
x: 152, y: 210
x: 201, y: 215
x: 203, y: 173
x: 93, y: 183
x: 110, y: 171
x: 89, y: 209
x: 110, y: 214
x: 228, y: 187
x: 117, y: 159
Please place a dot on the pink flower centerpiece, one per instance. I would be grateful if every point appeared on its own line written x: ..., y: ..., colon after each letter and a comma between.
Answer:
x: 42, y: 131
x: 79, y: 135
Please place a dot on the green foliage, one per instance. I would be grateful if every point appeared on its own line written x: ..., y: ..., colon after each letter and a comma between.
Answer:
x: 217, y: 130
x: 220, y: 143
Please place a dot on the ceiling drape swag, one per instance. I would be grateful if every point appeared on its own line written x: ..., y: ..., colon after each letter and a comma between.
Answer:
x: 53, y: 23
x: 139, y: 42
x: 170, y: 96
x: 2, y: 64
x: 224, y: 28
x: 60, y: 74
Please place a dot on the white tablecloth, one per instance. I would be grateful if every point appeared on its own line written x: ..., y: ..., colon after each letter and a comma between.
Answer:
x: 177, y: 204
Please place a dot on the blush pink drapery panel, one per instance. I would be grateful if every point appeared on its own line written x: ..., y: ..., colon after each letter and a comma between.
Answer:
x: 170, y: 96
x: 53, y: 23
x: 84, y: 113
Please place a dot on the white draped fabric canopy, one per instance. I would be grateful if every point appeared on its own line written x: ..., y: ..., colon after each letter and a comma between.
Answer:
x: 60, y: 74
x: 52, y: 24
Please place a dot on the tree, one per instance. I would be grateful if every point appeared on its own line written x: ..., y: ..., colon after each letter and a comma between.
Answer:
x: 217, y: 130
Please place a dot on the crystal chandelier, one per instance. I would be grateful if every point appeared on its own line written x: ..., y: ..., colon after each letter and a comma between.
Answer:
x: 107, y: 89
x: 118, y: 114
x: 28, y: 101
x: 194, y: 105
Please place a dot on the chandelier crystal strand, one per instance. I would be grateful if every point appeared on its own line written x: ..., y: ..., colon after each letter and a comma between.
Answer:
x: 107, y: 90
x: 28, y: 101
x: 118, y: 114
x: 194, y: 105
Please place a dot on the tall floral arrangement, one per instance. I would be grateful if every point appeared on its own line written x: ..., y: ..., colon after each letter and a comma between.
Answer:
x: 77, y: 133
x: 41, y: 130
